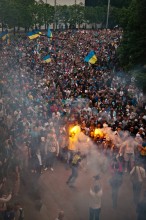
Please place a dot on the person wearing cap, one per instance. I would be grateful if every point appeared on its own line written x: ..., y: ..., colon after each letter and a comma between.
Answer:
x: 95, y: 202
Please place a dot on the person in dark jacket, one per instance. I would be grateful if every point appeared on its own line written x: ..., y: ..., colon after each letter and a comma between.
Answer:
x: 19, y: 212
x: 74, y: 166
x: 115, y: 182
x: 9, y: 214
x: 141, y: 208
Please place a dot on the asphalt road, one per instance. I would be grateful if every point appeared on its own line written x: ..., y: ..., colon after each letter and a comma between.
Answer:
x: 57, y: 195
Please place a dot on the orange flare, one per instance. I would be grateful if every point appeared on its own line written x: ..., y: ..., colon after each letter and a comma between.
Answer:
x: 98, y: 132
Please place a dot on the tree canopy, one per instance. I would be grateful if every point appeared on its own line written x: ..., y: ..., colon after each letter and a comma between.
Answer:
x: 128, y: 14
x: 133, y: 48
x: 132, y: 52
x: 29, y: 13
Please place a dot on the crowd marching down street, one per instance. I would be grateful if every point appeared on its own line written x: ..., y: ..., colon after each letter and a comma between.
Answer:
x: 63, y: 97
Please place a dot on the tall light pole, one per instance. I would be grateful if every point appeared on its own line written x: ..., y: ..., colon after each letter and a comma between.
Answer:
x: 108, y: 8
x: 76, y: 12
x: 55, y: 3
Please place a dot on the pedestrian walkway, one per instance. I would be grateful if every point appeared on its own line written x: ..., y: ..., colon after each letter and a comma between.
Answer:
x: 56, y: 195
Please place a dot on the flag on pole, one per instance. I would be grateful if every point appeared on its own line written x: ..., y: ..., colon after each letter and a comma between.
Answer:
x: 4, y: 35
x: 91, y: 57
x: 49, y: 34
x: 8, y: 39
x: 47, y: 59
x: 33, y: 34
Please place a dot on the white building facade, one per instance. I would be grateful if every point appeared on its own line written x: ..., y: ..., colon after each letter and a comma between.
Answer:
x: 64, y: 2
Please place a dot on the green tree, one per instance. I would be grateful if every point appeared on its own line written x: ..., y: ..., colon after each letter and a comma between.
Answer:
x: 16, y: 13
x: 48, y: 15
x: 133, y: 48
x: 26, y: 13
x: 100, y: 14
x: 95, y: 15
x: 34, y: 10
x: 118, y: 16
x: 3, y: 12
x: 123, y: 17
x: 13, y: 15
x: 43, y: 14
x: 120, y: 3
x: 132, y: 51
x: 62, y: 14
x: 76, y: 15
x: 89, y: 15
x: 80, y: 10
x: 114, y: 3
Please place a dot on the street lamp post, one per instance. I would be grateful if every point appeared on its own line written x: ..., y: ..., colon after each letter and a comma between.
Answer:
x: 55, y: 3
x: 76, y: 12
x: 108, y: 8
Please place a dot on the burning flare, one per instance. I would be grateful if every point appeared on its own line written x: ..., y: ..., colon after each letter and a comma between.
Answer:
x: 75, y: 130
x: 98, y: 132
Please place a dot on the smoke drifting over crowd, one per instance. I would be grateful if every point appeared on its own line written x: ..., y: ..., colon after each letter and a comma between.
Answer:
x: 68, y: 117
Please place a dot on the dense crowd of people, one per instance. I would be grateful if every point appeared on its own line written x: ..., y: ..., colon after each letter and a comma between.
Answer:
x: 40, y: 102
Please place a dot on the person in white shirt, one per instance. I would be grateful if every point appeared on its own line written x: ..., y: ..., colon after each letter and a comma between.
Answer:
x: 138, y: 175
x: 95, y: 202
x: 51, y: 150
x: 127, y: 149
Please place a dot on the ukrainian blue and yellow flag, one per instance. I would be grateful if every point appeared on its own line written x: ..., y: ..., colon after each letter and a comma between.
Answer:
x: 4, y: 35
x: 49, y: 34
x: 47, y: 59
x: 33, y: 34
x: 91, y: 57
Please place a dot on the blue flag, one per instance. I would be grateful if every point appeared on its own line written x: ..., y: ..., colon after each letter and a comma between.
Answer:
x: 91, y: 57
x: 49, y: 34
x: 47, y: 59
